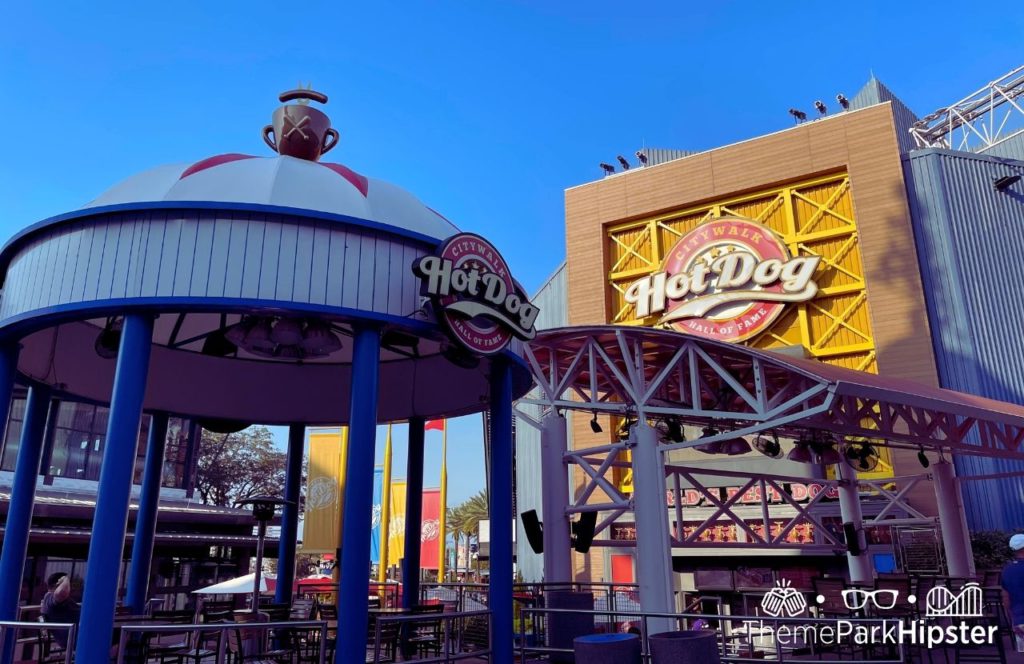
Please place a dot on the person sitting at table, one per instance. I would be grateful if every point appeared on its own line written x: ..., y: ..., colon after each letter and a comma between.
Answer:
x: 1012, y: 581
x: 58, y: 607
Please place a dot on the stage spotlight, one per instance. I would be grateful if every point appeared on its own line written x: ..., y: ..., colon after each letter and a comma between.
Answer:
x: 622, y: 160
x: 820, y: 107
x: 641, y: 157
x: 607, y: 168
x: 801, y: 453
x: 595, y: 426
x: 922, y: 458
x: 1005, y: 182
x: 843, y: 101
x: 736, y: 446
x: 675, y: 431
x: 798, y: 115
x: 769, y: 447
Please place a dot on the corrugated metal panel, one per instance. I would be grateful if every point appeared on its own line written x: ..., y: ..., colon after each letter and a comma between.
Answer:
x: 214, y: 255
x: 1011, y: 148
x: 552, y: 299
x: 874, y: 92
x: 970, y: 239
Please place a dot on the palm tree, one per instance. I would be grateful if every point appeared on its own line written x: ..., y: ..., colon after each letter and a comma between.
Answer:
x: 465, y: 519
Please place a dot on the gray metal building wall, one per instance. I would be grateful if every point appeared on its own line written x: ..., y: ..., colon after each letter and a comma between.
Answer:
x: 1011, y: 148
x: 970, y: 244
x: 874, y: 92
x: 552, y: 300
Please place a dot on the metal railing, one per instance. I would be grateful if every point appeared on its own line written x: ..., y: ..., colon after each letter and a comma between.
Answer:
x: 730, y: 639
x: 12, y: 627
x: 126, y: 654
x: 453, y: 643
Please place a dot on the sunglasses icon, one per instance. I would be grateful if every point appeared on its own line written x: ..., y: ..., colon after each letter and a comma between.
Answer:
x: 858, y: 598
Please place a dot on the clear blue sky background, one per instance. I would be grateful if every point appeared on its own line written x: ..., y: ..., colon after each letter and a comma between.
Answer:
x: 486, y: 110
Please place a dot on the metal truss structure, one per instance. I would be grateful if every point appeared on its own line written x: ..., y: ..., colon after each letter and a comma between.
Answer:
x: 772, y: 532
x: 656, y: 374
x: 980, y: 120
x: 655, y: 381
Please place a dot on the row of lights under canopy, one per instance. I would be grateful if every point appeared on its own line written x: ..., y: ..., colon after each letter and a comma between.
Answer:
x: 264, y: 336
x: 818, y: 448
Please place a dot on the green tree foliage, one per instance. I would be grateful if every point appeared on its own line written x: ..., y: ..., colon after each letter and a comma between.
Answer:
x: 991, y: 549
x: 236, y: 466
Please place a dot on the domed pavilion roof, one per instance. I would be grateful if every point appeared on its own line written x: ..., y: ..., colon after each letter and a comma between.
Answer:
x: 280, y: 181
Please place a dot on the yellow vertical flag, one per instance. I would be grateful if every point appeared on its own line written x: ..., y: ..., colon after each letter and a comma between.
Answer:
x: 325, y: 488
x: 396, y: 534
x: 385, y: 513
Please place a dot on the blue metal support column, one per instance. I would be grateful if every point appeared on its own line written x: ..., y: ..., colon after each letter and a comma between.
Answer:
x: 145, y: 521
x: 354, y: 586
x: 500, y: 582
x: 19, y: 515
x: 106, y: 547
x: 290, y: 515
x: 413, y: 515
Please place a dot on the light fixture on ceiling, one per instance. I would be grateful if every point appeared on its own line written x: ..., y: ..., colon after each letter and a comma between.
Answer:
x: 801, y: 453
x: 595, y: 426
x: 675, y: 430
x: 287, y: 332
x: 922, y: 458
x: 318, y: 340
x: 258, y: 340
x: 108, y: 341
x: 284, y: 338
x: 714, y: 447
x: 769, y: 447
x: 736, y: 446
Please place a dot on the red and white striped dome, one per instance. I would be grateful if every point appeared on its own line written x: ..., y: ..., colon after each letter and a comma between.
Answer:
x: 281, y: 181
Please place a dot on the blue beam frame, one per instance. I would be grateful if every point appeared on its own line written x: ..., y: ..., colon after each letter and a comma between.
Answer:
x: 413, y: 514
x: 354, y: 585
x: 106, y: 547
x: 500, y: 582
x: 290, y: 515
x: 145, y: 521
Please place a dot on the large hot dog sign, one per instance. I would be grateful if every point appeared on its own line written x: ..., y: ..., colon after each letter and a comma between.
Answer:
x: 728, y: 279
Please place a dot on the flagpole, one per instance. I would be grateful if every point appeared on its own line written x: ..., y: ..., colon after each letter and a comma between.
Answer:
x: 342, y: 462
x: 442, y: 517
x: 385, y: 512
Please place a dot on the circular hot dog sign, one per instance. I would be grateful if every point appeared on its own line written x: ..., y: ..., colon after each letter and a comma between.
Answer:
x: 728, y: 279
x: 476, y: 296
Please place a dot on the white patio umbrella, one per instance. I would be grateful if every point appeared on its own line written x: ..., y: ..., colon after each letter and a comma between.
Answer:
x: 237, y: 586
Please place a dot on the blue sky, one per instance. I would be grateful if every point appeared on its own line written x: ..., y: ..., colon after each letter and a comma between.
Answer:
x: 487, y: 111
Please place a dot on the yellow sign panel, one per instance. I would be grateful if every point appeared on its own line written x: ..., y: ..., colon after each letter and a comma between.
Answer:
x: 814, y: 219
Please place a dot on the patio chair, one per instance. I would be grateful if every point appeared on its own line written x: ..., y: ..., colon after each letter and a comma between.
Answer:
x: 386, y: 648
x: 986, y: 653
x: 302, y: 609
x: 248, y: 645
x: 427, y: 636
